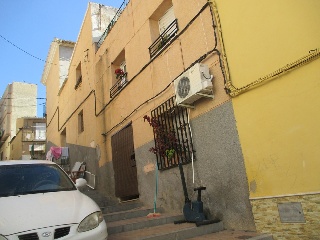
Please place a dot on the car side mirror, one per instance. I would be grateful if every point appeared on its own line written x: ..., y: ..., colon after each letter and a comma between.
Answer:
x: 81, y: 182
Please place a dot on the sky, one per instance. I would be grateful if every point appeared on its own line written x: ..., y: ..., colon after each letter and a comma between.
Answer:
x: 27, y: 28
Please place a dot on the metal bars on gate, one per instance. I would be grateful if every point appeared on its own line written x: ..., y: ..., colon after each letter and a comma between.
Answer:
x: 173, y: 118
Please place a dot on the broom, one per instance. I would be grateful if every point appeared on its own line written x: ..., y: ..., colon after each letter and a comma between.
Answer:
x: 155, y: 214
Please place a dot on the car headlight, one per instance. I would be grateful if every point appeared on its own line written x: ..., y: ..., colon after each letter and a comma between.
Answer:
x: 90, y: 222
x: 2, y: 237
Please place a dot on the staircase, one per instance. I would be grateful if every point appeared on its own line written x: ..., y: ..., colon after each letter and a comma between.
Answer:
x: 129, y: 221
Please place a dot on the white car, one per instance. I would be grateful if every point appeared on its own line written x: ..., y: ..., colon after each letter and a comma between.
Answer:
x: 38, y: 200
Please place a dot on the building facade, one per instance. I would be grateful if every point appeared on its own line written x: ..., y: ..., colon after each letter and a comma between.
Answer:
x: 274, y: 65
x: 30, y: 139
x: 164, y: 62
x: 18, y: 100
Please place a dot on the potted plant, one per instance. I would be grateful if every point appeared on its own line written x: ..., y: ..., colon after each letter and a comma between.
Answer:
x: 119, y: 73
x: 166, y: 143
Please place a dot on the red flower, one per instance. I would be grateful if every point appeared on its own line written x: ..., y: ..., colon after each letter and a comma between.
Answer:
x: 119, y: 71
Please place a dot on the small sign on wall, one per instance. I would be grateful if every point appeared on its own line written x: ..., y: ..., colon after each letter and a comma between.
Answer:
x: 291, y: 212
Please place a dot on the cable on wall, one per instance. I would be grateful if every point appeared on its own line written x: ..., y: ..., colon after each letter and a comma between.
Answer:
x: 201, y: 58
x: 234, y: 91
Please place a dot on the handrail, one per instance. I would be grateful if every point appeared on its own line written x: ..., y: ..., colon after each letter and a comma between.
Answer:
x: 119, y: 85
x: 112, y: 22
x: 164, y: 38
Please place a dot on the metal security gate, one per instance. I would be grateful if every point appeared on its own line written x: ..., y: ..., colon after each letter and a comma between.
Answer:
x: 124, y: 164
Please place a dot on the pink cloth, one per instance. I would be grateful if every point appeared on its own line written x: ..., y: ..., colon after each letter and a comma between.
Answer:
x: 56, y: 152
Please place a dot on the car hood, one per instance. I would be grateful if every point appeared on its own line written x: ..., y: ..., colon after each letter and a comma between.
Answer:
x: 33, y: 211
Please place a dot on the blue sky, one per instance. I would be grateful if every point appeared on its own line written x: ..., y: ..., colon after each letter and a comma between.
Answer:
x: 31, y: 26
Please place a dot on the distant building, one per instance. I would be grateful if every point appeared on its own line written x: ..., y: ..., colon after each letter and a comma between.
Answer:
x: 18, y: 100
x: 30, y: 139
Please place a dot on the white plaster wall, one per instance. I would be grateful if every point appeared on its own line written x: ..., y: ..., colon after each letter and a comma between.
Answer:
x: 101, y: 16
x: 65, y: 54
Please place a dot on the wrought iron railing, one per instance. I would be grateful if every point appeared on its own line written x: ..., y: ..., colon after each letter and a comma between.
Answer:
x: 119, y: 85
x: 164, y: 38
x: 79, y: 81
x: 173, y: 118
x: 113, y: 22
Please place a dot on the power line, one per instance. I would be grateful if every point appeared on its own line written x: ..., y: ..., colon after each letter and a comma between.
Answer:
x: 21, y: 49
x: 23, y: 98
x: 40, y: 59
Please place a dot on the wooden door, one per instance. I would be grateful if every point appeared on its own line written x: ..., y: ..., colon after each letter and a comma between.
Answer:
x: 124, y: 164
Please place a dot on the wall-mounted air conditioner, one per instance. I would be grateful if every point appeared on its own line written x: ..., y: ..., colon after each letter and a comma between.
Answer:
x: 193, y: 84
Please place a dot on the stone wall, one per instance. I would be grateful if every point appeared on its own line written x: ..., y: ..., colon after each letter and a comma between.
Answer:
x: 267, y: 217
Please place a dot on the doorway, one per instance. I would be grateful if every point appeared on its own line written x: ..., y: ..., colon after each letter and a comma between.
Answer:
x: 124, y: 164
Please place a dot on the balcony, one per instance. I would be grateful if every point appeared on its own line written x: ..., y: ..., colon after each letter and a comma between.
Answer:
x: 119, y: 85
x: 163, y: 40
x: 79, y: 81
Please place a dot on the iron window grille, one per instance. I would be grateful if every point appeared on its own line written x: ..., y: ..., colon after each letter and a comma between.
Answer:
x: 162, y: 41
x: 174, y: 119
x: 78, y: 82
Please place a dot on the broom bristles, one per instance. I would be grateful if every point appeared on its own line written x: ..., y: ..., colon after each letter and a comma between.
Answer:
x: 150, y: 215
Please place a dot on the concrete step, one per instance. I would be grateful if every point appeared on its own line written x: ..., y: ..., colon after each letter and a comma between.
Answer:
x: 234, y: 235
x: 168, y: 231
x: 133, y: 213
x: 141, y: 222
x: 122, y: 206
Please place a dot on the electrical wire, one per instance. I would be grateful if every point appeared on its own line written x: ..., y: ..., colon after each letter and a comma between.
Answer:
x: 26, y: 52
x: 21, y: 49
x: 214, y: 50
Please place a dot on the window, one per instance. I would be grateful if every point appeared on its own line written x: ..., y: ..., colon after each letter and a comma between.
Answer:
x: 40, y: 131
x: 78, y: 76
x: 173, y: 119
x: 63, y: 138
x: 167, y: 27
x: 166, y: 20
x: 119, y: 68
x: 80, y: 122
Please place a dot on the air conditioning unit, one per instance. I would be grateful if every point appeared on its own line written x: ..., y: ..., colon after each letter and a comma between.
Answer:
x: 192, y: 85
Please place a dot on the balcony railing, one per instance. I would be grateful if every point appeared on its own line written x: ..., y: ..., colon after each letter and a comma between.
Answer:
x: 164, y: 38
x: 120, y: 84
x: 113, y: 22
x: 79, y: 81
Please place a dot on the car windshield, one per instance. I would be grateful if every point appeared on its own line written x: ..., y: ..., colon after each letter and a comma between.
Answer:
x: 24, y: 179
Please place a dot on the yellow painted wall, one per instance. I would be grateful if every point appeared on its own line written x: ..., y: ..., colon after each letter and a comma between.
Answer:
x: 278, y: 122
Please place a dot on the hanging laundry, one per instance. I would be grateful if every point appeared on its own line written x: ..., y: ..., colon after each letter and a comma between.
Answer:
x: 56, y: 152
x: 49, y: 156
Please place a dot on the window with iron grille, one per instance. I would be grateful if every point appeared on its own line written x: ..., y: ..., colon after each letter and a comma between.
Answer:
x: 78, y: 76
x: 80, y: 122
x: 173, y: 138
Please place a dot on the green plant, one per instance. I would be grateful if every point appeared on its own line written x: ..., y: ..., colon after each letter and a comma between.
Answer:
x: 165, y: 139
x: 170, y: 153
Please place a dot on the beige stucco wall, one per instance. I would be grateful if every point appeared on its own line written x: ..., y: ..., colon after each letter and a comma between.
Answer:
x: 160, y: 72
x: 151, y: 84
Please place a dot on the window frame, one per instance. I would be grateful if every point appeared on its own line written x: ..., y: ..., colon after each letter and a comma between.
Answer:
x: 78, y: 76
x: 80, y: 122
